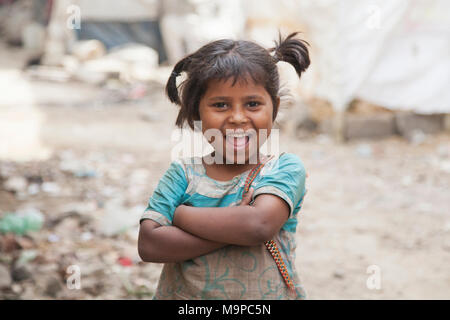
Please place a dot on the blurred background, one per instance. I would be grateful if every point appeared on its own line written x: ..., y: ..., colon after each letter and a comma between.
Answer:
x: 86, y: 133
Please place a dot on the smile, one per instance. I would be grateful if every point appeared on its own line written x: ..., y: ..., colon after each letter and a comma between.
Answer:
x: 237, y: 140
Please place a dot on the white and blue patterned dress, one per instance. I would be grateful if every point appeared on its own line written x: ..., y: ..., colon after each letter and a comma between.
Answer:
x: 232, y: 272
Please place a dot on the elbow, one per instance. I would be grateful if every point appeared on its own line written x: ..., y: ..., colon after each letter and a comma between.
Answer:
x: 147, y: 250
x: 145, y: 253
x: 261, y: 231
x: 264, y: 233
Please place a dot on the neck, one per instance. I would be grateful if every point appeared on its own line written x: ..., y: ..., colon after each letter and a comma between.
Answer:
x: 233, y: 169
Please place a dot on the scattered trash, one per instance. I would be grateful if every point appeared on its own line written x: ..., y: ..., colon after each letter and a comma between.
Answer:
x: 77, y: 169
x: 25, y: 257
x: 85, y: 173
x: 117, y: 218
x: 33, y: 189
x: 53, y: 238
x: 22, y: 222
x: 16, y: 184
x: 51, y: 187
x: 49, y: 73
x: 78, y: 208
x: 88, y: 50
x: 86, y: 236
x: 126, y: 262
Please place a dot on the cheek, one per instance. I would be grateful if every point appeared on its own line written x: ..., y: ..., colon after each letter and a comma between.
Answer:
x: 264, y: 120
x: 206, y: 118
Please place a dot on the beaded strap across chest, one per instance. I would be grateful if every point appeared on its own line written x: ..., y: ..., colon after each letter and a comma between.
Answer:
x: 271, y: 244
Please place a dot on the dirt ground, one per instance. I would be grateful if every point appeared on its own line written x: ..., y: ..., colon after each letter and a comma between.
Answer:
x: 92, y: 155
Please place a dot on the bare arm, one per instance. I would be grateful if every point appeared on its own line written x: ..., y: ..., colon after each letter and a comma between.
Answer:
x: 240, y: 225
x: 158, y: 243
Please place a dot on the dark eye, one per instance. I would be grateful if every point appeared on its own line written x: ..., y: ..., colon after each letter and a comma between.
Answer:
x: 220, y: 105
x: 253, y: 104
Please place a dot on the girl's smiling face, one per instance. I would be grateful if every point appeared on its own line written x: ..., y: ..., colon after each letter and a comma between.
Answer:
x: 240, y: 112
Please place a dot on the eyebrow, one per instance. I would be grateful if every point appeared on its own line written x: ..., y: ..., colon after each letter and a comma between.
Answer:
x: 227, y: 98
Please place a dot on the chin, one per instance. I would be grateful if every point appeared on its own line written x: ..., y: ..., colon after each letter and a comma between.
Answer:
x: 241, y: 158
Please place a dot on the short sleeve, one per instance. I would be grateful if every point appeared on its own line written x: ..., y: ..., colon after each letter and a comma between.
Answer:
x: 284, y: 178
x: 167, y: 196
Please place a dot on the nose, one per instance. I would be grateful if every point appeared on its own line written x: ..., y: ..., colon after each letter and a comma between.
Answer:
x: 238, y: 116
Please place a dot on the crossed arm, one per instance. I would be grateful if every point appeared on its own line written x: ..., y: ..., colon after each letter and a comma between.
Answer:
x: 198, y: 231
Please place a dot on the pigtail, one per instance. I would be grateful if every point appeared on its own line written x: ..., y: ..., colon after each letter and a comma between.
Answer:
x: 293, y: 51
x: 171, y: 86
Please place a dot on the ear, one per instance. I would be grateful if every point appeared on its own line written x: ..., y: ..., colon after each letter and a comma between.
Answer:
x: 276, y: 107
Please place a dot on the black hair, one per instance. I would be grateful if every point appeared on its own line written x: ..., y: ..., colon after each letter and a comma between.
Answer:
x: 225, y: 59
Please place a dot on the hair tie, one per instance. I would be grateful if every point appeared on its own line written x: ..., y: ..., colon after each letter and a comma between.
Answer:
x: 175, y: 74
x: 278, y: 56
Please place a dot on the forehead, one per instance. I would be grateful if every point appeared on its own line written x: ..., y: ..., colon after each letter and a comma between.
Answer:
x: 244, y: 86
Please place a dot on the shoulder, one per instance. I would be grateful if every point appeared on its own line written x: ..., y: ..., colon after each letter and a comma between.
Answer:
x: 176, y: 171
x: 284, y: 162
x: 177, y: 165
x: 290, y: 159
x: 191, y: 167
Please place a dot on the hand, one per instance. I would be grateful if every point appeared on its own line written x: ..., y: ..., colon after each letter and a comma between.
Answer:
x: 247, y: 198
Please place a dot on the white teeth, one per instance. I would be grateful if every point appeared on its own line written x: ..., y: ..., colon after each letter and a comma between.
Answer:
x: 237, y: 135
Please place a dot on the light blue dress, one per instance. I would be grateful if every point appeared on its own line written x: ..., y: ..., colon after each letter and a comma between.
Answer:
x: 233, y: 272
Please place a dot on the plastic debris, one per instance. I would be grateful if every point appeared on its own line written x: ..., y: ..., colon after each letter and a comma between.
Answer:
x: 51, y: 188
x: 126, y: 262
x: 16, y: 184
x: 53, y: 238
x: 22, y: 222
x: 77, y: 168
x: 33, y: 189
x: 86, y: 236
x: 85, y: 173
x: 118, y: 219
x: 26, y: 256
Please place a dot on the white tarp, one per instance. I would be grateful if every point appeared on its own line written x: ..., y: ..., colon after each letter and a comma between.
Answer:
x: 118, y: 10
x: 186, y: 25
x: 414, y: 71
x: 393, y: 53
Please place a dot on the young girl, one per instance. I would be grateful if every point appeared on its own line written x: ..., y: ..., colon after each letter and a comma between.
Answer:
x: 211, y: 237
